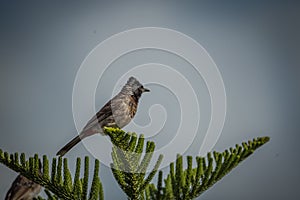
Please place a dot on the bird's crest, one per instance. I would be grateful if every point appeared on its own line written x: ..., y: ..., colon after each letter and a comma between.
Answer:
x: 131, y: 85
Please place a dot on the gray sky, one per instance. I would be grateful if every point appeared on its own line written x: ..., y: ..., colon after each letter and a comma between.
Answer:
x: 255, y: 46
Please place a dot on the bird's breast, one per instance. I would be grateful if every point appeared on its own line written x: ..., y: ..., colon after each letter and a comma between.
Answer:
x: 124, y: 110
x: 132, y: 105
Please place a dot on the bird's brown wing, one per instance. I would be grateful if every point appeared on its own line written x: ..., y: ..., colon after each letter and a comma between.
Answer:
x: 14, y: 188
x: 102, y: 114
x: 19, y: 189
x: 93, y: 126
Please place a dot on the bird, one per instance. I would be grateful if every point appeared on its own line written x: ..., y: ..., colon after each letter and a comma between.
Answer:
x: 117, y: 113
x: 24, y: 189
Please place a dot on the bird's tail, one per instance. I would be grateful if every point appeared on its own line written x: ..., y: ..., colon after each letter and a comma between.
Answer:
x: 69, y: 146
x: 75, y: 141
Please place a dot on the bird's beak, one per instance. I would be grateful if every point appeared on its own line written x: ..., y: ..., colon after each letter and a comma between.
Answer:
x: 146, y: 90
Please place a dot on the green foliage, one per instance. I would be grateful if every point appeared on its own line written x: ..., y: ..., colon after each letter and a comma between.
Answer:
x: 131, y: 158
x: 60, y: 181
x: 191, y: 182
x: 128, y: 167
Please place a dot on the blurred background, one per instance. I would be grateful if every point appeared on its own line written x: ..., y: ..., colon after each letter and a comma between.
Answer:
x: 254, y: 44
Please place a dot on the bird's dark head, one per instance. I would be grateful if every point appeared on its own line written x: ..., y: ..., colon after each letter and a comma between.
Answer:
x: 134, y: 88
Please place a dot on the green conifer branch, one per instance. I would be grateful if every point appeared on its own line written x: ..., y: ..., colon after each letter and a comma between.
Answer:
x: 85, y: 179
x: 151, y: 174
x: 77, y: 188
x: 59, y: 185
x: 128, y: 167
x: 191, y: 182
x: 159, y: 185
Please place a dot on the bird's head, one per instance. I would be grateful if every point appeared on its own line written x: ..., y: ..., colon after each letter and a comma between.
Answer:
x: 134, y: 87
